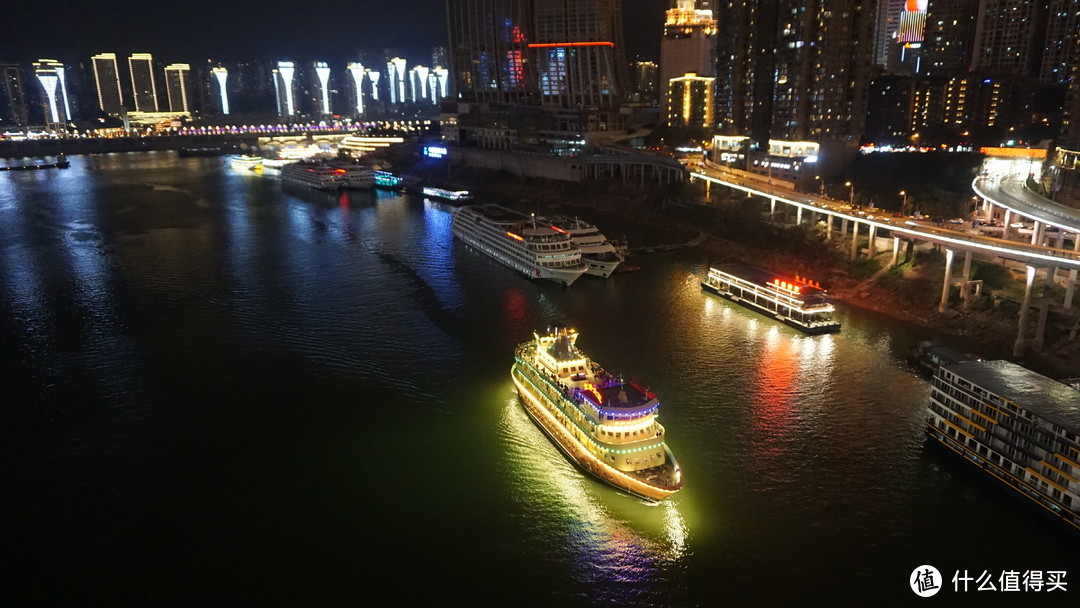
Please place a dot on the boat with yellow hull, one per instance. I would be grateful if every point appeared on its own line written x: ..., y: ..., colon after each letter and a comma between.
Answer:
x: 606, y: 426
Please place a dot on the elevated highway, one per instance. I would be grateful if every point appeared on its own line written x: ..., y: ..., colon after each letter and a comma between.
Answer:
x: 1035, y: 255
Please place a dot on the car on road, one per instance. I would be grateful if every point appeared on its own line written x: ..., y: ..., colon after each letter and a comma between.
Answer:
x: 957, y: 220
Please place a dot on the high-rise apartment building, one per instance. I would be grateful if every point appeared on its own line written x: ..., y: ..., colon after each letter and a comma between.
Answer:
x: 107, y: 82
x: 489, y: 44
x: 320, y: 82
x: 220, y: 77
x: 356, y: 72
x: 143, y: 86
x: 1008, y: 37
x: 51, y: 76
x: 580, y: 55
x: 949, y: 36
x: 888, y: 24
x: 284, y: 89
x: 690, y: 101
x: 13, y: 106
x: 688, y: 47
x: 1062, y: 47
x: 396, y: 77
x: 178, y: 86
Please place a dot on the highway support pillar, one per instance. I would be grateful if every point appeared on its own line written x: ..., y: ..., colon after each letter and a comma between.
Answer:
x: 1036, y: 233
x: 1070, y: 287
x: 945, y: 283
x: 1005, y: 223
x: 843, y: 227
x: 828, y: 227
x: 871, y: 248
x: 1044, y: 310
x: 798, y: 217
x: 1021, y: 335
x: 895, y: 251
x: 854, y: 240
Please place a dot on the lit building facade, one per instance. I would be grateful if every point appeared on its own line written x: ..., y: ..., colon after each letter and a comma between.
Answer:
x: 284, y: 89
x: 1007, y: 37
x: 143, y: 86
x: 489, y: 44
x: 178, y: 87
x: 396, y: 75
x: 356, y: 72
x: 51, y: 75
x: 107, y: 82
x: 689, y: 42
x: 321, y: 83
x: 949, y: 36
x: 579, y: 51
x: 1061, y: 54
x: 690, y: 101
x: 13, y: 106
x: 221, y: 78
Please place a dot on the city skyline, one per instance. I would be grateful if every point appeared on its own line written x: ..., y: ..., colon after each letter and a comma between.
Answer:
x: 200, y: 30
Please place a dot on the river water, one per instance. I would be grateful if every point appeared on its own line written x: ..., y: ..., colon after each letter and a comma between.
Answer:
x: 217, y: 387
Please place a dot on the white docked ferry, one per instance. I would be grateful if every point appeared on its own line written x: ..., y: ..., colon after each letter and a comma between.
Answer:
x: 313, y: 175
x: 606, y: 426
x: 600, y: 254
x: 357, y: 177
x: 798, y: 302
x: 521, y: 242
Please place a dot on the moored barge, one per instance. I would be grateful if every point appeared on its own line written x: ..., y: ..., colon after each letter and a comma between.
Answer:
x: 795, y: 301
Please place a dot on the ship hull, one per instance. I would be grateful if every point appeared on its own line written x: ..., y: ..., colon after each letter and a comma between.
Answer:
x: 539, y: 409
x: 813, y: 330
x: 995, y: 475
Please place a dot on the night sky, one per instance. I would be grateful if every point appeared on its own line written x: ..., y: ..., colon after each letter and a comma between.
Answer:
x: 194, y: 30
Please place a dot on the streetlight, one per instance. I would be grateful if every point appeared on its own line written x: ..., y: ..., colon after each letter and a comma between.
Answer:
x: 903, y: 208
x: 821, y: 183
x: 852, y: 186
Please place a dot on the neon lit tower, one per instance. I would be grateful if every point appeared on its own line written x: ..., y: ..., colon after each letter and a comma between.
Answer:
x: 176, y: 86
x: 107, y: 81
x: 283, y: 86
x: 419, y: 80
x: 142, y: 82
x: 357, y: 71
x: 397, y: 71
x: 220, y: 76
x: 50, y: 73
x: 374, y: 75
x: 322, y: 73
x: 442, y: 76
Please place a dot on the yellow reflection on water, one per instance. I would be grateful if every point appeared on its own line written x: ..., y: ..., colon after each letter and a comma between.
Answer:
x: 625, y: 536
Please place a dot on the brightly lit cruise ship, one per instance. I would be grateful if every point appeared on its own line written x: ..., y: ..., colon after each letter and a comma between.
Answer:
x: 534, y: 249
x: 604, y: 425
x: 596, y: 251
x: 313, y: 175
x: 798, y: 302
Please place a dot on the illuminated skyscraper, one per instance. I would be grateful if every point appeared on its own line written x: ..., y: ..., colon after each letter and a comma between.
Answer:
x: 107, y: 81
x: 356, y: 70
x: 580, y: 55
x: 690, y: 102
x: 489, y: 41
x: 221, y: 77
x: 143, y: 87
x: 395, y: 70
x: 418, y: 81
x: 283, y: 88
x: 321, y: 82
x: 13, y: 108
x: 50, y: 73
x: 1062, y: 48
x: 177, y: 86
x: 441, y: 78
x: 688, y: 47
x: 1008, y: 40
x: 949, y: 36
x: 373, y: 76
x: 689, y: 42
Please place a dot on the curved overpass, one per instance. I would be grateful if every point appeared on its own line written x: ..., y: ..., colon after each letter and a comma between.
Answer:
x: 1009, y: 192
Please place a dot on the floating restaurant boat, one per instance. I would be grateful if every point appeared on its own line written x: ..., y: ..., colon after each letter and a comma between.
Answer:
x: 1018, y: 427
x: 602, y: 424
x: 454, y: 196
x: 596, y: 251
x: 521, y: 242
x: 797, y: 301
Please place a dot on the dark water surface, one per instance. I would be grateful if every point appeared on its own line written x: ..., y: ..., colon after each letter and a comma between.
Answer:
x: 216, y: 388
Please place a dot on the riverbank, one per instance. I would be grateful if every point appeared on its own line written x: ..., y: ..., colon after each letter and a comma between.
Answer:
x: 733, y: 231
